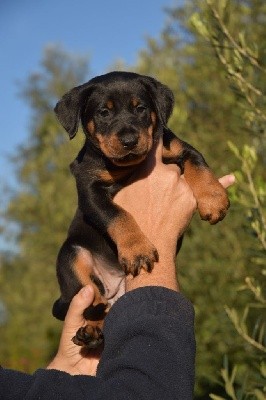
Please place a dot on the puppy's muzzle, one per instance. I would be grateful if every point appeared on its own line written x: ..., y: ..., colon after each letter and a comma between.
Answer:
x: 128, y: 138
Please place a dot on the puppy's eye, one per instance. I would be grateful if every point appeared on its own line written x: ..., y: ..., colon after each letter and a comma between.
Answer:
x: 104, y: 112
x: 140, y: 109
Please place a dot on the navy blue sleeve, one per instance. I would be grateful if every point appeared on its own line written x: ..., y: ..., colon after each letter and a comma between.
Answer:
x: 151, y: 351
x: 149, y: 354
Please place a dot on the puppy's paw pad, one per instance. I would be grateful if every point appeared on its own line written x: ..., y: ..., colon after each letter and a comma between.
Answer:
x: 139, y: 257
x: 88, y: 336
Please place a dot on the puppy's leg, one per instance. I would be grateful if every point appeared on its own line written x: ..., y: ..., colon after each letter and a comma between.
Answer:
x: 212, y: 199
x: 75, y: 270
x: 135, y: 251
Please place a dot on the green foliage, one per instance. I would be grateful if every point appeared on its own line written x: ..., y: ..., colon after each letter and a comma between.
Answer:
x: 41, y: 209
x: 245, y: 67
x: 248, y: 381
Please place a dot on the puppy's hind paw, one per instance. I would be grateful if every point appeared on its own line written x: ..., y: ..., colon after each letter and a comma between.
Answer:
x: 89, y: 336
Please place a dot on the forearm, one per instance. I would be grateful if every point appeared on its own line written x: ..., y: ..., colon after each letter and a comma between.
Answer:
x: 150, y: 348
x: 149, y: 353
x: 14, y: 384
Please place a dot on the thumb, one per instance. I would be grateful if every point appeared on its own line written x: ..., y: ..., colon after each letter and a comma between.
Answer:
x: 80, y: 301
x: 227, y: 180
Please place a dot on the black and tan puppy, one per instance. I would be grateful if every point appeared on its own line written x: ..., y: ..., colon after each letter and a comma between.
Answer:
x: 122, y: 115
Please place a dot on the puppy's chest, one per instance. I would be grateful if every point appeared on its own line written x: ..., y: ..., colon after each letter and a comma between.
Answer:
x: 89, y: 172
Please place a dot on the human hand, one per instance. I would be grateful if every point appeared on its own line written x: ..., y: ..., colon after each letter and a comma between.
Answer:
x: 71, y: 358
x: 162, y: 204
x: 160, y: 201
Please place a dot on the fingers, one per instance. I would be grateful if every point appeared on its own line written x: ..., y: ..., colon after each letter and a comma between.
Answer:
x: 154, y: 158
x: 159, y: 150
x: 227, y: 180
x: 69, y: 357
x: 82, y: 300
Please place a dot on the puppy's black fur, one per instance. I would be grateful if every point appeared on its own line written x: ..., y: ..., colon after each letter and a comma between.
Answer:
x: 122, y: 114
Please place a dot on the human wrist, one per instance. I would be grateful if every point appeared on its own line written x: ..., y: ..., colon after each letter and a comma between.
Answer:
x: 58, y: 363
x: 163, y: 274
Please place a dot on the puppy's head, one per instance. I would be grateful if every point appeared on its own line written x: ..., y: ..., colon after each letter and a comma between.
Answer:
x: 121, y: 113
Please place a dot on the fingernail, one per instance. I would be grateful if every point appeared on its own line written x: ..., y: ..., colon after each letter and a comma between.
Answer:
x: 232, y: 178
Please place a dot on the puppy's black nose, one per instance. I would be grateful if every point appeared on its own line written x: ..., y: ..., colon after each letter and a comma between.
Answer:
x: 129, y: 140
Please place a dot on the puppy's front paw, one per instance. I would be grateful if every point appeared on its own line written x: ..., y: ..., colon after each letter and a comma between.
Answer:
x: 213, y: 203
x: 89, y: 336
x: 141, y: 254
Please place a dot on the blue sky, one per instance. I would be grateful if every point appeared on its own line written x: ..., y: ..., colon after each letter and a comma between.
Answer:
x: 105, y: 30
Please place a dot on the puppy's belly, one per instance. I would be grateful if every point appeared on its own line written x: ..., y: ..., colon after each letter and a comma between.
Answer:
x: 112, y: 278
x: 99, y: 252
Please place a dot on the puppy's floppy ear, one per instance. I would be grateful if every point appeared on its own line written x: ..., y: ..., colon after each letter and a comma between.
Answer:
x: 68, y: 110
x: 162, y: 98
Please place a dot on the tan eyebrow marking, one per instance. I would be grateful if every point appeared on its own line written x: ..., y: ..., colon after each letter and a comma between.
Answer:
x: 110, y: 104
x: 134, y: 102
